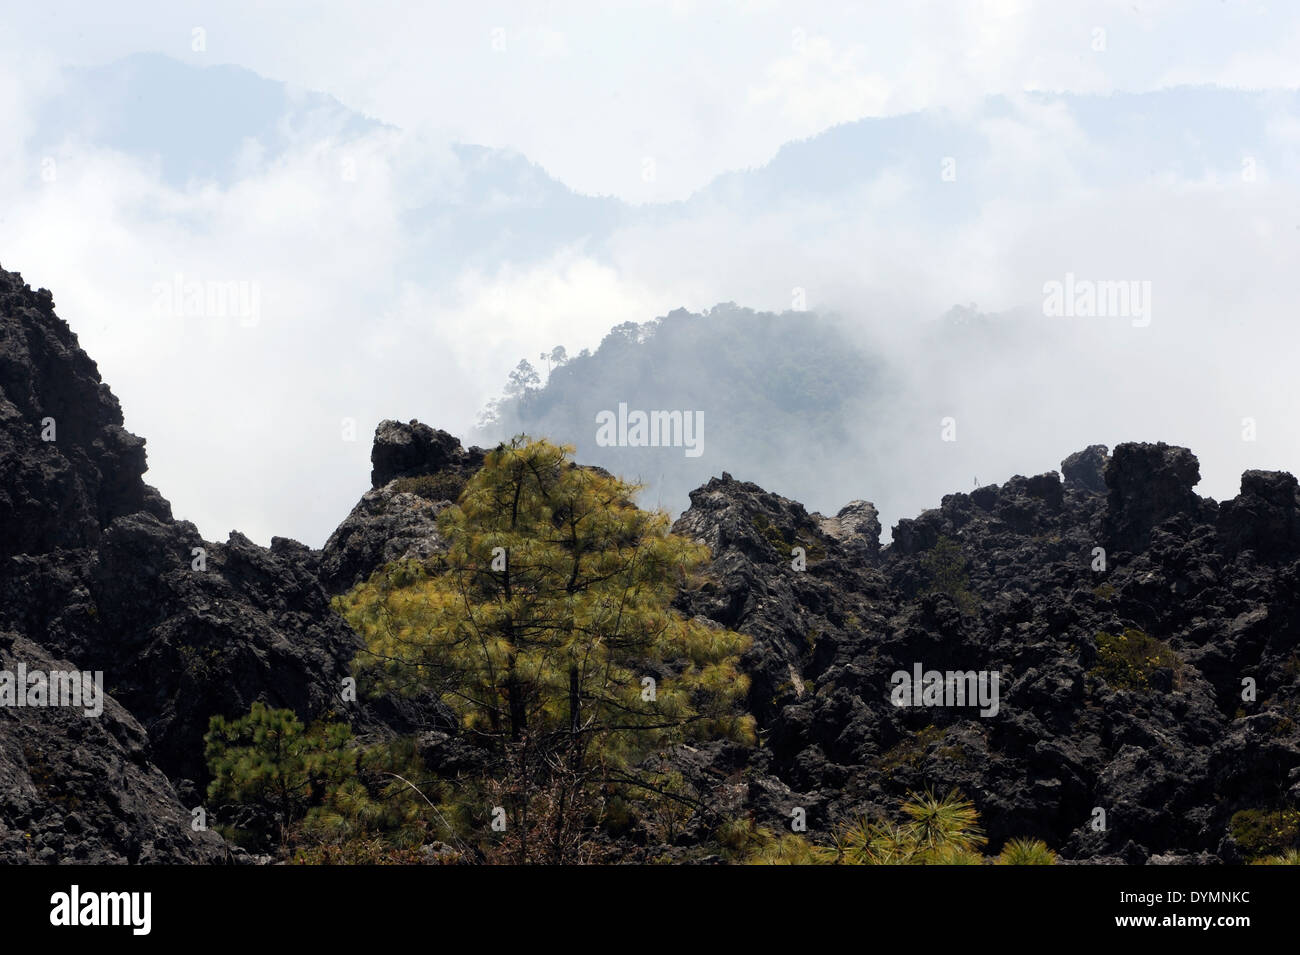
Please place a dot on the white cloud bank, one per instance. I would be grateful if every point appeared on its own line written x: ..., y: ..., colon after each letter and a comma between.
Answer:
x: 365, y: 313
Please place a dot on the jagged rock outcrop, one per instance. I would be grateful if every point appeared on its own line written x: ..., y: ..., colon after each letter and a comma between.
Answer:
x: 67, y: 466
x: 178, y: 639
x: 391, y: 521
x: 415, y: 449
x: 857, y: 525
x: 1007, y: 580
x: 1149, y: 484
x: 82, y: 789
x: 1086, y: 469
x: 94, y: 570
x: 1264, y: 517
x: 386, y: 525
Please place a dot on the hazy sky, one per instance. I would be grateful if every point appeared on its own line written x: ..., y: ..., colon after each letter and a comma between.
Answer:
x: 377, y: 298
x: 590, y: 90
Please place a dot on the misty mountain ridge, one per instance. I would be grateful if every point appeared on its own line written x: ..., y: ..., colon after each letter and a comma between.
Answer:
x: 160, y: 110
x: 818, y: 407
x: 769, y: 388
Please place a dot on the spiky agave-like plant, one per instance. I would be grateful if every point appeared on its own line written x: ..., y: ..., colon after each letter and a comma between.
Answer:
x: 937, y: 831
x: 1290, y: 857
x: 942, y: 822
x: 1026, y: 852
x: 950, y: 856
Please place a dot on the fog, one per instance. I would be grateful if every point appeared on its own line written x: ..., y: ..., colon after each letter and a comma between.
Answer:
x: 351, y: 260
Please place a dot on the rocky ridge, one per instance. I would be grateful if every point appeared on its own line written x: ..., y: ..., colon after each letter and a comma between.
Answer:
x: 95, y: 571
x: 1026, y: 579
x: 1025, y: 594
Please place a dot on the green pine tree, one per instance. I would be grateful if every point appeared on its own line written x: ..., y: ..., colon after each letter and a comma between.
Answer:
x: 547, y: 627
x: 271, y: 761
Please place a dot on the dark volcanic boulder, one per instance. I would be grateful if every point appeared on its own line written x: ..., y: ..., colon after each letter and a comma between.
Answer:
x: 1086, y: 469
x: 1264, y: 517
x: 857, y: 525
x: 397, y: 519
x: 67, y: 466
x: 1148, y: 484
x: 386, y: 525
x: 408, y: 450
x: 75, y: 788
x: 799, y: 619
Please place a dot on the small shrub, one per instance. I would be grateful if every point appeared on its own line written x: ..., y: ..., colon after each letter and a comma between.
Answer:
x: 950, y: 856
x: 950, y: 822
x: 1262, y: 832
x: 270, y: 760
x: 443, y: 486
x: 1026, y: 852
x: 1290, y: 857
x: 1128, y: 660
x: 947, y: 572
x: 910, y: 750
x: 787, y: 848
x: 812, y: 547
x: 772, y: 534
x: 935, y: 830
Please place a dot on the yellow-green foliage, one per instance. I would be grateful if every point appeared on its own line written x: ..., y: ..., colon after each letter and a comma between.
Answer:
x: 946, y: 572
x: 547, y: 627
x: 812, y: 547
x: 744, y: 842
x: 1290, y: 857
x: 385, y: 812
x: 549, y: 609
x: 1127, y: 661
x: 947, y: 822
x: 333, y: 800
x: 934, y: 831
x: 445, y: 486
x: 771, y: 533
x: 269, y: 759
x: 784, y: 849
x: 1026, y: 852
x: 1262, y: 832
x: 910, y: 750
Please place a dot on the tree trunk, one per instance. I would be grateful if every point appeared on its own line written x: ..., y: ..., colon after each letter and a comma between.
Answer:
x: 517, y: 715
x: 575, y: 718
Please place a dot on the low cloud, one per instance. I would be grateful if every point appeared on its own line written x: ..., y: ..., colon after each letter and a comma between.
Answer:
x: 369, y: 307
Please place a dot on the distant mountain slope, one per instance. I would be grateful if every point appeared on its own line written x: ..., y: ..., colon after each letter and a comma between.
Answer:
x: 1196, y: 133
x: 206, y: 123
x: 772, y: 397
x: 218, y: 122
